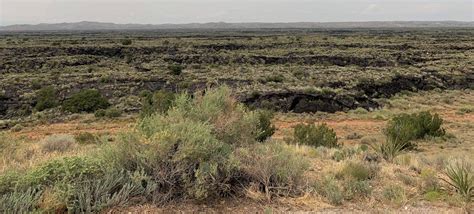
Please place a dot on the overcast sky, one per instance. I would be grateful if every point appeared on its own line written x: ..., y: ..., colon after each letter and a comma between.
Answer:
x: 190, y: 11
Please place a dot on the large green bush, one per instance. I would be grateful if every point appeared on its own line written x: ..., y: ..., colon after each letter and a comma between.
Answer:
x: 88, y: 100
x: 404, y: 128
x: 46, y: 98
x: 316, y: 136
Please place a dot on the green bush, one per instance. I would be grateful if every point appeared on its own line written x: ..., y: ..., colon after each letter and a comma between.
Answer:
x: 407, y: 127
x: 126, y: 42
x: 176, y: 69
x: 265, y: 126
x: 316, y: 136
x: 65, y: 169
x: 158, y: 102
x: 88, y: 100
x: 109, y: 113
x: 46, y: 98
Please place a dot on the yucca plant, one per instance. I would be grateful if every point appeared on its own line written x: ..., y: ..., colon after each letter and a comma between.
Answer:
x: 390, y: 149
x: 460, y: 177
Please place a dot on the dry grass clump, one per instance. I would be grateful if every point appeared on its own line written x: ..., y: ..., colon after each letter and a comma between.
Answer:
x: 58, y: 143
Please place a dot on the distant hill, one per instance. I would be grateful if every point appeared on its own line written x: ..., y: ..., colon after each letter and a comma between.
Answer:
x: 81, y: 26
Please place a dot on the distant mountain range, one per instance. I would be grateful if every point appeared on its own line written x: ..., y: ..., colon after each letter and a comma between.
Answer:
x: 84, y: 26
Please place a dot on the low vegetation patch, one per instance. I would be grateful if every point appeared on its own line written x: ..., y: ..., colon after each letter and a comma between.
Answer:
x: 203, y: 147
x: 316, y: 136
x: 46, y: 98
x: 404, y: 128
x: 88, y: 100
x: 58, y: 143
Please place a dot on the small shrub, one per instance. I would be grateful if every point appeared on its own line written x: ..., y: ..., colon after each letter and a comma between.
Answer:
x: 407, y: 127
x: 109, y: 113
x: 126, y: 42
x: 17, y: 128
x: 19, y: 201
x: 46, y: 98
x: 265, y: 126
x: 67, y: 170
x: 86, y: 138
x: 159, y: 102
x: 114, y: 189
x: 58, y: 143
x: 407, y: 179
x: 176, y: 69
x: 394, y: 193
x: 316, y: 136
x: 357, y: 188
x: 461, y: 178
x: 275, y: 78
x: 359, y: 171
x: 88, y: 100
x: 330, y: 189
x: 275, y: 166
x: 429, y: 181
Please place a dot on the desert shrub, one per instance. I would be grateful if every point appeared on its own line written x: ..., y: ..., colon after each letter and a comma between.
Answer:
x: 265, y: 126
x: 176, y: 69
x: 46, y: 98
x: 116, y: 188
x: 19, y: 201
x: 88, y: 100
x: 275, y: 166
x: 359, y: 171
x: 316, y: 136
x: 126, y: 42
x: 461, y: 178
x: 65, y: 169
x: 394, y: 193
x: 86, y: 138
x: 408, y: 127
x: 357, y: 188
x: 429, y: 181
x: 330, y: 189
x: 58, y: 143
x: 275, y: 78
x: 8, y: 181
x: 109, y: 113
x: 159, y: 101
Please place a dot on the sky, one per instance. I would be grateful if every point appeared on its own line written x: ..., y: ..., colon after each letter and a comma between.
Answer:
x: 201, y: 11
